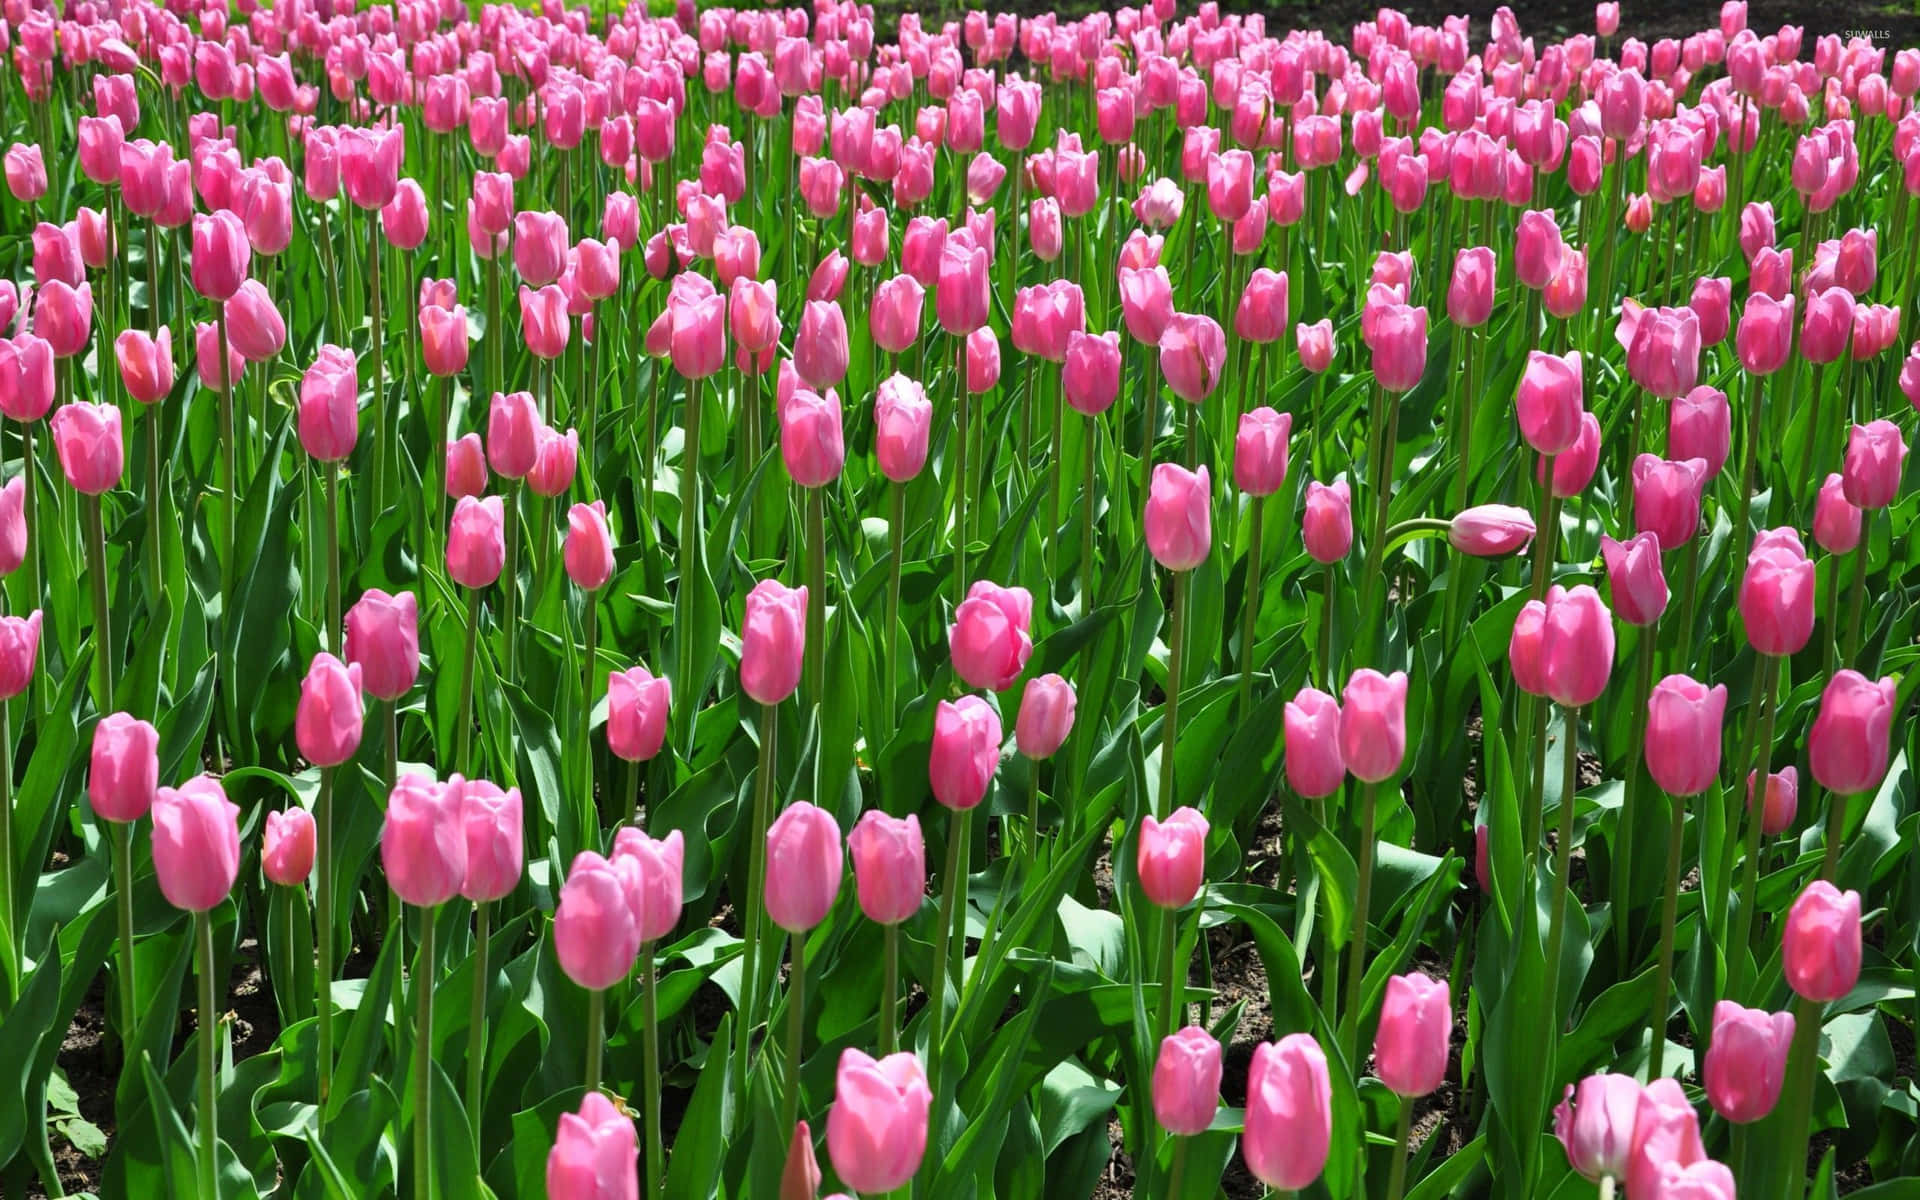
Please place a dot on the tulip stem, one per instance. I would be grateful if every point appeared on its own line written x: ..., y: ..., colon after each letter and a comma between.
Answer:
x: 13, y: 983
x: 1562, y: 888
x: 1177, y: 1176
x: 1629, y: 824
x: 1756, y: 415
x: 1836, y: 829
x: 1468, y: 400
x: 378, y: 407
x: 330, y: 472
x: 154, y: 494
x: 207, y: 1120
x: 955, y: 886
x: 650, y: 1017
x: 596, y: 1035
x: 1606, y: 1181
x: 30, y: 472
x: 1357, y: 941
x: 465, y: 760
x: 816, y: 648
x: 1169, y: 726
x: 122, y: 884
x: 1403, y: 1135
x: 1087, y: 484
x: 1250, y: 604
x: 796, y: 1024
x: 687, y: 550
x: 590, y: 617
x: 961, y: 426
x: 1856, y: 600
x: 1803, y: 1063
x: 423, y: 973
x: 896, y: 546
x: 477, y: 1016
x: 230, y: 472
x: 1326, y: 625
x: 756, y: 889
x: 510, y: 580
x: 1669, y: 911
x: 102, y: 617
x: 1172, y: 1004
x: 323, y: 934
x: 890, y: 994
x: 1762, y: 759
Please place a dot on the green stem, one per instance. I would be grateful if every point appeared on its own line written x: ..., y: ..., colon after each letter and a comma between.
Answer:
x: 510, y: 580
x: 1669, y: 911
x: 423, y: 1060
x: 1836, y: 830
x: 1630, y: 803
x: 102, y: 616
x: 155, y: 494
x: 1172, y: 1006
x: 796, y: 1025
x: 1397, y: 1181
x: 477, y: 1017
x: 650, y: 1017
x: 1761, y: 760
x: 1087, y: 484
x: 1803, y: 1064
x: 896, y: 545
x: 331, y: 474
x: 1357, y: 940
x: 756, y: 889
x: 890, y: 994
x: 323, y: 934
x: 382, y: 433
x: 1250, y: 606
x: 951, y: 902
x: 207, y: 1120
x: 1856, y: 600
x: 1562, y: 882
x: 1326, y: 627
x: 689, y: 534
x: 1749, y: 453
x: 816, y: 648
x: 961, y: 427
x: 596, y: 1035
x: 1170, y: 724
x: 590, y: 617
x: 229, y: 471
x: 122, y: 884
x: 1176, y: 1182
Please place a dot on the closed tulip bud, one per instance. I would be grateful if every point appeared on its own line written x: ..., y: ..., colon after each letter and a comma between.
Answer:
x: 810, y: 437
x: 221, y: 254
x: 1821, y: 944
x: 903, y: 422
x: 26, y: 377
x: 589, y: 547
x: 966, y: 751
x: 1526, y: 648
x: 539, y: 247
x: 1780, y: 804
x: 443, y: 339
x: 1665, y: 1131
x: 653, y: 870
x: 595, y: 1155
x: 877, y: 1129
x: 1537, y: 248
x: 146, y: 363
x: 543, y: 321
x: 1172, y: 858
x: 1576, y: 646
x: 466, y: 467
x: 26, y: 171
x: 286, y: 852
x: 983, y: 360
x: 196, y: 843
x: 1490, y: 530
x: 1776, y: 594
x: 895, y: 313
x: 555, y: 462
x: 513, y: 434
x: 1635, y: 578
x: 329, y: 418
x: 1663, y: 355
x: 1186, y: 1082
x: 1595, y: 1121
x: 1836, y: 521
x: 1315, y: 767
x: 1703, y: 1180
x: 991, y: 636
x: 773, y: 641
x: 1876, y: 455
x: 1193, y: 349
x: 57, y: 256
x: 889, y: 866
x: 1416, y: 1023
x: 1046, y: 716
x: 805, y: 861
x: 1373, y: 724
x: 19, y: 646
x: 1827, y: 325
x: 476, y: 542
x: 254, y: 326
x: 1573, y: 467
x: 328, y: 721
x: 206, y: 344
x: 124, y: 770
x: 697, y: 327
x: 13, y: 524
x: 1090, y: 374
x: 64, y: 317
x: 595, y: 935
x: 1289, y: 1122
x: 1746, y: 1062
x: 383, y: 641
x: 491, y: 823
x: 1146, y: 302
x: 87, y: 437
x: 1261, y: 315
x: 1666, y: 498
x: 1847, y: 746
x: 1260, y: 451
x: 1712, y: 305
x: 1549, y: 401
x: 637, y: 706
x: 404, y: 218
x: 1326, y: 526
x: 1566, y: 292
x: 95, y: 236
x: 820, y: 347
x: 1700, y: 426
x: 1470, y: 292
x: 1683, y: 734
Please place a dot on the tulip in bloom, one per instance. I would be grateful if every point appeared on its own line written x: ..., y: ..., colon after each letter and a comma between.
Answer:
x: 1780, y: 803
x: 1416, y: 1023
x: 1260, y: 451
x: 1836, y: 521
x: 1046, y: 716
x: 1470, y: 291
x: 63, y: 316
x: 383, y: 640
x: 1186, y: 1082
x: 556, y: 458
x: 637, y: 706
x: 1178, y: 519
x: 146, y: 363
x: 1315, y: 767
x: 286, y: 852
x: 221, y: 255
x: 991, y: 635
x: 1146, y: 302
x: 1289, y: 1122
x: 1683, y: 734
x: 596, y: 934
x: 804, y: 865
x: 26, y: 172
x: 595, y: 1155
x: 1549, y: 401
x: 773, y: 641
x: 588, y: 553
x: 1397, y: 335
x: 19, y: 646
x: 124, y: 769
x: 1847, y: 746
x: 895, y: 313
x: 1777, y: 593
x: 1490, y: 530
x: 877, y: 1130
x: 327, y: 723
x: 476, y: 542
x: 1595, y: 1123
x: 196, y: 843
x: 820, y: 346
x: 1635, y: 578
x: 1821, y: 943
x: 1315, y: 345
x: 1665, y: 1131
x: 966, y: 751
x: 1576, y: 646
x: 1373, y: 724
x: 889, y: 866
x: 810, y: 437
x: 513, y: 434
x: 329, y: 405
x: 466, y: 467
x: 491, y: 822
x: 1090, y: 373
x: 1700, y: 425
x: 1261, y: 315
x: 1746, y: 1061
x: 1663, y: 348
x: 87, y: 437
x: 1666, y: 498
x: 1172, y: 857
x: 1876, y: 455
x: 1193, y: 350
x: 653, y: 870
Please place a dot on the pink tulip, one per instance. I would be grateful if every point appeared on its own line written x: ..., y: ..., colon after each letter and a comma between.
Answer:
x: 476, y: 542
x: 1683, y: 734
x: 1327, y: 522
x: 19, y: 646
x: 895, y: 313
x: 1172, y: 858
x: 196, y: 843
x: 466, y: 467
x: 1847, y: 745
x: 1663, y: 354
x: 1666, y: 498
x: 1398, y: 339
x: 1260, y: 451
x: 146, y: 363
x: 221, y: 254
x: 1470, y: 292
x: 1836, y: 521
x: 903, y: 422
x: 1289, y: 1121
x: 1876, y: 455
x: 1261, y: 315
x: 540, y: 243
x: 1490, y: 530
x: 637, y: 707
x: 1537, y: 248
x: 595, y: 1153
x: 1777, y: 593
x: 1193, y: 350
x: 87, y: 437
x: 1576, y: 646
x: 773, y: 641
x: 1315, y: 767
x: 56, y: 255
x: 1146, y: 302
x: 753, y: 315
x: 1090, y: 375
x: 889, y: 866
x: 1665, y: 1131
x: 653, y: 871
x: 962, y: 298
x: 1827, y: 325
x: 1821, y: 943
x: 64, y: 317
x: 805, y: 862
x: 26, y: 377
x: 443, y: 339
x: 820, y: 346
x: 1781, y: 802
x: 1635, y: 579
x: 588, y: 553
x: 877, y: 1129
x: 966, y: 751
x: 1746, y: 1062
x: 13, y: 524
x: 1046, y: 716
x: 328, y: 720
x: 383, y: 641
x: 370, y: 165
x: 1178, y: 518
x: 255, y: 328
x: 26, y: 172
x: 1700, y: 426
x: 1373, y: 724
x: 543, y: 321
x: 286, y: 852
x: 404, y: 218
x: 1712, y: 305
x: 991, y: 635
x: 1765, y: 336
x: 1416, y: 1025
x: 124, y: 768
x: 513, y: 434
x: 595, y: 934
x: 810, y: 437
x: 206, y: 344
x: 1186, y: 1082
x: 490, y: 821
x: 1595, y: 1123
x: 1549, y: 401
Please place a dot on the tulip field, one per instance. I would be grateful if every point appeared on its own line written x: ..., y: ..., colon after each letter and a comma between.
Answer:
x: 801, y: 603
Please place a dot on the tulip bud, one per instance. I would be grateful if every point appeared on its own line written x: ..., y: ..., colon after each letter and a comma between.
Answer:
x: 889, y: 866
x: 966, y: 751
x: 1186, y: 1082
x: 588, y: 553
x: 596, y: 1153
x: 991, y: 636
x: 1326, y: 525
x: 1491, y: 530
x: 1178, y: 518
x: 595, y: 934
x: 1260, y: 451
x: 1683, y: 734
x: 1289, y: 1121
x: 476, y: 542
x: 877, y: 1128
x: 804, y: 865
x: 1172, y: 858
x: 328, y: 721
x: 1821, y: 943
x: 1416, y: 1024
x: 124, y: 771
x: 1746, y: 1061
x: 196, y: 843
x: 1595, y: 1121
x: 1373, y: 724
x: 286, y: 852
x: 1046, y: 716
x: 1848, y: 744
